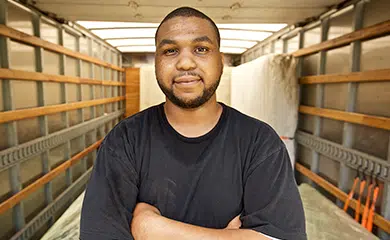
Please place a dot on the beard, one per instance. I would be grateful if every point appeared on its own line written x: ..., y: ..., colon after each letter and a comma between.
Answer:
x: 207, y: 93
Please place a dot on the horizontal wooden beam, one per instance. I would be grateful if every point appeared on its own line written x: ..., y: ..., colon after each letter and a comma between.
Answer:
x: 367, y: 76
x: 367, y: 33
x: 38, y: 42
x: 357, y: 118
x: 380, y: 221
x: 25, y: 192
x: 37, y: 76
x: 46, y: 110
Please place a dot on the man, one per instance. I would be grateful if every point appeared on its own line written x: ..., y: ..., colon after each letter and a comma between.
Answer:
x: 191, y: 168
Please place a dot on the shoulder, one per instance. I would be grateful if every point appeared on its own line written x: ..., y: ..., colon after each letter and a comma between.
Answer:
x: 126, y: 131
x: 261, y: 137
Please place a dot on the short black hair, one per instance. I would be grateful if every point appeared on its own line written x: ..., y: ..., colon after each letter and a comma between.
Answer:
x: 190, y: 12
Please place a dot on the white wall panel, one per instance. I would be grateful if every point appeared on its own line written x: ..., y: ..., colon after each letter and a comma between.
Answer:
x: 266, y: 88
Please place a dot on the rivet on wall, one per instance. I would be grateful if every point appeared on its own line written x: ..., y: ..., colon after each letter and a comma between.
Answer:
x: 227, y: 17
x: 133, y: 5
x: 138, y: 16
x: 235, y: 6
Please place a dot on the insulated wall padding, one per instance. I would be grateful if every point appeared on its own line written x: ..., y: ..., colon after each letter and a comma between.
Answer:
x: 267, y: 89
x: 290, y: 145
x: 151, y: 94
x: 223, y: 90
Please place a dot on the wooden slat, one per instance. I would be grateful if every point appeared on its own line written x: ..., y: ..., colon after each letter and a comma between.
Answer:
x: 35, y: 41
x: 367, y: 33
x: 24, y: 193
x: 40, y: 111
x: 113, y: 83
x: 36, y: 76
x: 367, y: 76
x: 380, y: 221
x: 132, y: 91
x: 357, y: 118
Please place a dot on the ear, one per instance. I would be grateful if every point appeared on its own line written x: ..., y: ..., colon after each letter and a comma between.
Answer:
x: 223, y: 59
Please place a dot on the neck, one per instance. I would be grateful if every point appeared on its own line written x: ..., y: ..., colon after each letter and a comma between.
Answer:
x: 193, y: 122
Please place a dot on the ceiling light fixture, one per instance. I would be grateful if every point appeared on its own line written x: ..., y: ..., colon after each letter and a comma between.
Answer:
x: 97, y: 25
x: 232, y: 50
x: 131, y: 41
x: 137, y: 49
x: 237, y: 43
x: 126, y: 33
x: 244, y: 35
x: 274, y: 27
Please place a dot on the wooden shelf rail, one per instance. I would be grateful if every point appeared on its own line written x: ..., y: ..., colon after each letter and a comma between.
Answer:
x: 367, y: 76
x: 36, y: 76
x: 380, y: 221
x: 357, y: 118
x: 15, y: 115
x: 25, y: 192
x: 374, y: 31
x: 38, y: 42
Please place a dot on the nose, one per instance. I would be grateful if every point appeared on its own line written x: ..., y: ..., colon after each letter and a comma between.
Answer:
x: 185, y: 62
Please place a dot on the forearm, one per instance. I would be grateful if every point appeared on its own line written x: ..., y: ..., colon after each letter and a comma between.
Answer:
x: 159, y: 227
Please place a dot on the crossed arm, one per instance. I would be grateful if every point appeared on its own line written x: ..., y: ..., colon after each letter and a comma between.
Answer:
x: 110, y: 206
x: 148, y: 224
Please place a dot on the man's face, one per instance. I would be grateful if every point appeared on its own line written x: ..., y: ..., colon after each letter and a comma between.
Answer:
x: 188, y: 62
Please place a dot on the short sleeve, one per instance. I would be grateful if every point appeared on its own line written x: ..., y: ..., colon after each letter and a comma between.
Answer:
x: 272, y: 204
x: 110, y: 197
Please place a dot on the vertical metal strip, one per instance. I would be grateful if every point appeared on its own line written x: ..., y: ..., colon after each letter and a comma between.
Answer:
x: 301, y: 39
x: 64, y: 99
x: 113, y: 55
x: 110, y: 72
x: 110, y: 88
x: 80, y: 98
x: 121, y: 89
x: 93, y: 95
x: 114, y: 88
x: 243, y: 59
x: 43, y: 122
x: 273, y: 46
x: 285, y: 45
x: 103, y: 90
x: 300, y: 60
x: 345, y: 172
x: 320, y: 94
x: 92, y: 76
x: 299, y: 74
x: 11, y: 127
x: 386, y: 202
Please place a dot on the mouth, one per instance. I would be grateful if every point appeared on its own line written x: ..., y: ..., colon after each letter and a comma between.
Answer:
x: 187, y: 80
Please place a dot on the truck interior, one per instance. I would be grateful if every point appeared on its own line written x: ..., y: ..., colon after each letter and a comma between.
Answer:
x: 317, y: 71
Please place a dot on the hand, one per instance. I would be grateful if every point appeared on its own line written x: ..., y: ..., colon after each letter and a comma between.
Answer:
x: 235, y: 223
x: 143, y: 214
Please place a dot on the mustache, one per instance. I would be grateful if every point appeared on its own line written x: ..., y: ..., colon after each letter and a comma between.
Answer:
x: 189, y: 73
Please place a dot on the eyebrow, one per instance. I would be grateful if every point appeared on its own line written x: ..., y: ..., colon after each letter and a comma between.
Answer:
x: 196, y: 40
x: 203, y: 39
x: 166, y: 42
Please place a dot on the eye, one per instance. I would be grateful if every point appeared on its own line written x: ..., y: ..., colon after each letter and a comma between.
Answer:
x: 170, y: 51
x: 201, y: 50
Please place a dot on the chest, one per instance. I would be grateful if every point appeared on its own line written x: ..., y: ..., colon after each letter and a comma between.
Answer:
x: 205, y: 190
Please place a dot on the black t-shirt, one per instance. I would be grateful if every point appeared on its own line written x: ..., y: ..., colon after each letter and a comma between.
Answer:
x: 240, y: 167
